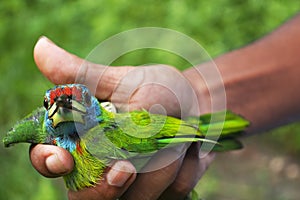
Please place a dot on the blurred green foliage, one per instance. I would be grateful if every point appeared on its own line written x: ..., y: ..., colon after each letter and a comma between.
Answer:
x: 79, y: 26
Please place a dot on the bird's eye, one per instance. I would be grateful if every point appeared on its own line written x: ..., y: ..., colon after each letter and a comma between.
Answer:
x: 46, y: 103
x: 87, y: 99
x: 69, y: 99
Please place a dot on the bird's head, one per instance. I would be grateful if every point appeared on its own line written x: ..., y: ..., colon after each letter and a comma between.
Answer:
x: 71, y: 103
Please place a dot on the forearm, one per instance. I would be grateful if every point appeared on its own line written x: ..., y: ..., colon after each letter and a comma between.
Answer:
x: 261, y: 80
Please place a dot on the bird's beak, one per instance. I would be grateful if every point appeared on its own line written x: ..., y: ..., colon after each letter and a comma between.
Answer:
x: 73, y: 112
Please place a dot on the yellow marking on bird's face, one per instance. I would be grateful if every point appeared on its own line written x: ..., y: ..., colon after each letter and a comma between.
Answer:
x: 59, y: 114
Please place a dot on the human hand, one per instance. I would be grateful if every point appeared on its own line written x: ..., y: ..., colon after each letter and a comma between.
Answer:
x: 128, y: 88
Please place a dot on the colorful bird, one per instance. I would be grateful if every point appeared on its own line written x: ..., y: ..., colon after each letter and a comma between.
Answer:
x: 75, y: 120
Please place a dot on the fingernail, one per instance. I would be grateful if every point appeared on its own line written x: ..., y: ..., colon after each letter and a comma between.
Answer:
x: 46, y: 39
x: 120, y: 173
x: 55, y: 165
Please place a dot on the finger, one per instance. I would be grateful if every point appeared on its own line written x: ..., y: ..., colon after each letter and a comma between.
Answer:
x: 150, y: 185
x: 188, y: 176
x: 51, y: 161
x: 62, y: 67
x: 111, y: 187
x: 56, y: 64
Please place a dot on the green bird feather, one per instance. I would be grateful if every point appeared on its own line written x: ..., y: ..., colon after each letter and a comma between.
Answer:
x: 75, y: 120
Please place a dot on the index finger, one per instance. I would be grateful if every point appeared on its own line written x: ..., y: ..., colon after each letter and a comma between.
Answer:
x: 51, y: 161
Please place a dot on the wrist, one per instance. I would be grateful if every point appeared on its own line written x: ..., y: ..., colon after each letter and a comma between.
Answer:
x: 210, y: 79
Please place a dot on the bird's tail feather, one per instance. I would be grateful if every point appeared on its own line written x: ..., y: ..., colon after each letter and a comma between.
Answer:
x: 224, y: 124
x: 206, y: 144
x: 217, y: 131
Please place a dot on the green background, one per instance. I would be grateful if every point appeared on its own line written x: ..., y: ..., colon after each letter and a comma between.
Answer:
x: 268, y: 168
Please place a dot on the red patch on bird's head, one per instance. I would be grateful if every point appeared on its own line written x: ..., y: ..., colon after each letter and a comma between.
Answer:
x: 77, y: 94
x: 73, y: 92
x: 68, y: 91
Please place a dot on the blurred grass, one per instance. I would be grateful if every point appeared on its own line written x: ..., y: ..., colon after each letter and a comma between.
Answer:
x: 79, y: 26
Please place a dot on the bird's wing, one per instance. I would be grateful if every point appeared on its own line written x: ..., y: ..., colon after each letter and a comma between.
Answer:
x: 141, y: 132
x: 135, y: 132
x: 142, y: 124
x: 144, y: 132
x: 152, y: 131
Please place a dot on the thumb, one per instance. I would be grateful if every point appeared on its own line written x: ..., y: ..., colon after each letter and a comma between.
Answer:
x: 62, y: 67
